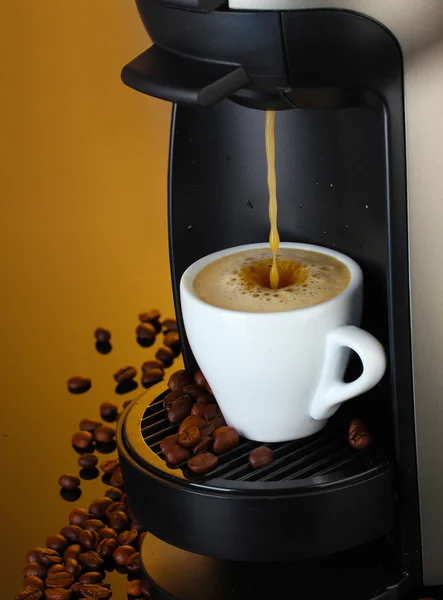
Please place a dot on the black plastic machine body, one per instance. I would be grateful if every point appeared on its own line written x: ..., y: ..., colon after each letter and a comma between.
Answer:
x: 324, y: 519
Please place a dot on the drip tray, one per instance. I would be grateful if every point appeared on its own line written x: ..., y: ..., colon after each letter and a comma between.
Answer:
x: 319, y: 496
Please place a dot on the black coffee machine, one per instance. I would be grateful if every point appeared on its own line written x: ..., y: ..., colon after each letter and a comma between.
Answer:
x: 323, y: 520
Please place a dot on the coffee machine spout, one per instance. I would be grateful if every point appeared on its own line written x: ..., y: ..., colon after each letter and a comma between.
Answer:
x: 188, y: 81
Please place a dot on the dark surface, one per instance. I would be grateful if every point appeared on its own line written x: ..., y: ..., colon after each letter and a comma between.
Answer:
x: 353, y: 576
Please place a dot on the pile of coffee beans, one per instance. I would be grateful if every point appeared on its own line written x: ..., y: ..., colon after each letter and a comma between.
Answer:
x: 202, y: 434
x: 74, y: 562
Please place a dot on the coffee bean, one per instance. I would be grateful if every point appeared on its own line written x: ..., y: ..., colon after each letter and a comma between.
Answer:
x: 68, y: 481
x: 56, y: 569
x: 114, y: 507
x: 128, y: 537
x: 170, y: 324
x: 33, y: 583
x: 191, y: 421
x: 107, y: 533
x: 200, y: 379
x: 145, y: 331
x: 172, y: 340
x: 260, y: 457
x: 87, y: 461
x: 194, y: 390
x: 206, y: 399
x: 170, y: 398
x: 72, y: 552
x: 47, y: 557
x: 146, y: 587
x: 82, y: 439
x: 58, y: 594
x: 98, y: 507
x: 220, y: 430
x: 91, y: 577
x: 32, y: 555
x: 57, y: 542
x: 104, y: 434
x: 226, y: 440
x: 29, y: 595
x: 109, y: 466
x: 89, y: 539
x: 122, y: 554
x: 219, y: 421
x: 133, y: 564
x: 125, y: 374
x: 102, y: 335
x: 212, y: 411
x: 198, y: 410
x: 107, y: 547
x: 89, y: 425
x: 71, y: 533
x: 117, y: 478
x: 170, y: 440
x: 202, y: 463
x: 150, y: 315
x: 108, y: 411
x: 152, y: 364
x: 204, y: 445
x: 79, y: 385
x: 179, y: 410
x: 166, y: 355
x: 206, y: 429
x: 152, y: 376
x: 118, y: 521
x: 141, y: 537
x: 91, y: 560
x: 35, y: 569
x: 179, y: 379
x: 78, y: 516
x: 95, y: 591
x: 134, y: 588
x: 114, y: 493
x: 72, y: 567
x: 360, y: 437
x: 176, y: 455
x: 62, y: 579
x: 189, y: 437
x: 93, y: 525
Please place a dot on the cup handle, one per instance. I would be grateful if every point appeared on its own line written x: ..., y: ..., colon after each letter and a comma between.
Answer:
x: 332, y: 390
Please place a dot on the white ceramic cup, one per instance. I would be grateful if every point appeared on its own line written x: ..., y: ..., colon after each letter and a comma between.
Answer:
x: 279, y: 376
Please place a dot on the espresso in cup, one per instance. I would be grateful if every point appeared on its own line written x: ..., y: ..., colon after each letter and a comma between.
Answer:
x: 241, y: 281
x: 276, y: 358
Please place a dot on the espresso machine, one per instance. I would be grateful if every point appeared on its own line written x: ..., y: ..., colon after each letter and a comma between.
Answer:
x: 355, y: 84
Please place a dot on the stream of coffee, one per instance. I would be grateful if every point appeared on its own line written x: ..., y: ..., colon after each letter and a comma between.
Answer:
x: 274, y: 238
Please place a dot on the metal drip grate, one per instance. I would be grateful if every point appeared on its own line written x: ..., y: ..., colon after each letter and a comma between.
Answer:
x: 317, y: 456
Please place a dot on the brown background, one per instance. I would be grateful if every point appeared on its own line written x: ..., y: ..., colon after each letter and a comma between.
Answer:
x: 83, y: 242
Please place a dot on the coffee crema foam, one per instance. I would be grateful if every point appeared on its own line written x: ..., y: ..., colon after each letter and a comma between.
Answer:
x: 241, y: 281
